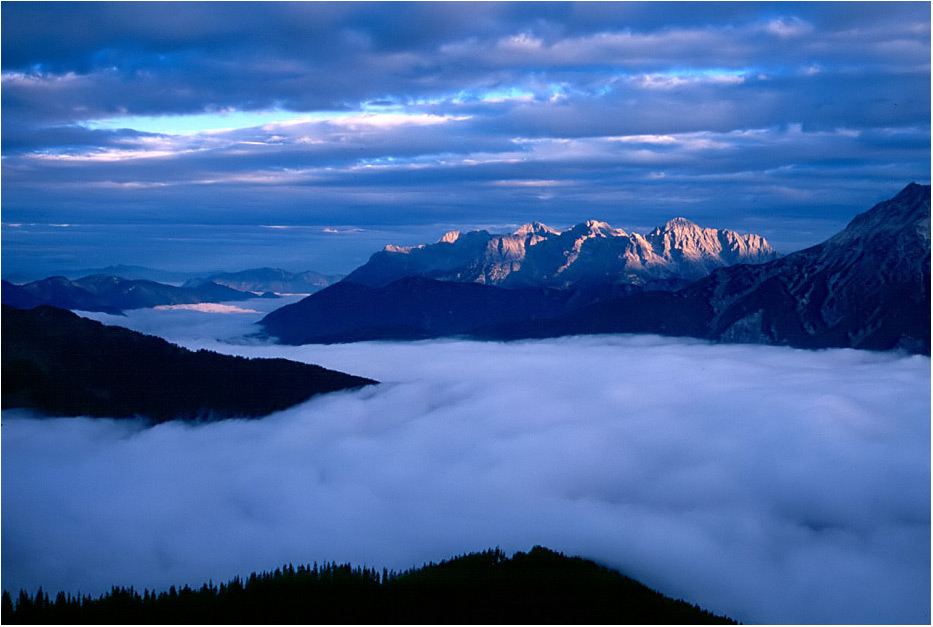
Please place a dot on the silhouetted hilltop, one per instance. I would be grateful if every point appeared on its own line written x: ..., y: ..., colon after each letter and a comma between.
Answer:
x: 538, y: 587
x: 63, y: 365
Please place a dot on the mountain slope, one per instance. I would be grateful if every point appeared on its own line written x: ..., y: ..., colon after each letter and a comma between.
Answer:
x: 113, y: 294
x: 867, y: 287
x: 416, y: 308
x: 587, y: 254
x: 15, y: 296
x: 63, y: 365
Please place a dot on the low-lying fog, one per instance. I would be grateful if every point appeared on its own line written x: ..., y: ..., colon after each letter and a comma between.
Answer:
x: 774, y: 485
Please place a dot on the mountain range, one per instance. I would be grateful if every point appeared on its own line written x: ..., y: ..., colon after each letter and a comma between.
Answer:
x: 112, y: 294
x: 866, y: 287
x: 590, y: 253
x: 269, y: 280
x: 143, y: 273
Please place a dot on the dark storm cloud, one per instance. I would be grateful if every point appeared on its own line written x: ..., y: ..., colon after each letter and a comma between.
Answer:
x: 419, y: 112
x: 779, y: 486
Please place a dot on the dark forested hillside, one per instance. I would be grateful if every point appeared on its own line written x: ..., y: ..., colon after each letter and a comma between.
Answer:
x: 61, y: 364
x: 418, y: 308
x: 538, y: 587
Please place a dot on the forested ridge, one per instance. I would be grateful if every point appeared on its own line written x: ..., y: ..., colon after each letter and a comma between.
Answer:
x: 63, y: 365
x: 541, y: 586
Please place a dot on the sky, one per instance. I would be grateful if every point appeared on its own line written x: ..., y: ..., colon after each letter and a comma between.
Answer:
x: 775, y: 485
x: 309, y: 135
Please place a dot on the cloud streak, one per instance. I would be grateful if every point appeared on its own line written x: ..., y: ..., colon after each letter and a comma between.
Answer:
x: 771, y: 484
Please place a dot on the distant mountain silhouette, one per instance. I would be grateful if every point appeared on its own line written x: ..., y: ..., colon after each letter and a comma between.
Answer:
x: 138, y: 273
x: 112, y: 294
x: 16, y: 296
x: 590, y: 253
x: 538, y: 587
x: 63, y: 365
x: 270, y: 280
x: 867, y: 287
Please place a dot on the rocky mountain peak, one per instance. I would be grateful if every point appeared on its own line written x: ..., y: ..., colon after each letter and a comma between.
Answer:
x: 596, y: 228
x: 680, y: 224
x: 535, y: 228
x: 450, y: 237
x: 905, y: 215
x: 392, y: 248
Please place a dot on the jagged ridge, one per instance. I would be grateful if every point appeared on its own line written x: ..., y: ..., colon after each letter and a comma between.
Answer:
x: 592, y: 252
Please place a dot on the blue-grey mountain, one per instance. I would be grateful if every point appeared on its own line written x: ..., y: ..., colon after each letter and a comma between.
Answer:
x: 270, y: 280
x: 114, y: 294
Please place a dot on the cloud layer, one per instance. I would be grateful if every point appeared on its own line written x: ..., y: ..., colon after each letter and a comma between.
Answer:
x: 771, y: 484
x: 785, y: 119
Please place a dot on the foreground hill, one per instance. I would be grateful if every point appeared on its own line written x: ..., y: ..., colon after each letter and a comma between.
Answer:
x: 590, y: 253
x: 112, y: 294
x: 63, y: 365
x: 867, y: 287
x: 539, y: 587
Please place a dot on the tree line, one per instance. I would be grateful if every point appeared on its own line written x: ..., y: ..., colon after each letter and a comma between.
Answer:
x: 541, y: 586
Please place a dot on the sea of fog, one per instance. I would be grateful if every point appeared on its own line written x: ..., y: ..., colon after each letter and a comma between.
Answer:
x: 771, y: 484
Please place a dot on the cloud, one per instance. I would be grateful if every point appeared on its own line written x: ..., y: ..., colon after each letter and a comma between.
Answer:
x: 772, y: 484
x: 324, y: 113
x: 211, y: 308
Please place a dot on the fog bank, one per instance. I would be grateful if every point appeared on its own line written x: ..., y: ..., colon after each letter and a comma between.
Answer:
x: 771, y: 484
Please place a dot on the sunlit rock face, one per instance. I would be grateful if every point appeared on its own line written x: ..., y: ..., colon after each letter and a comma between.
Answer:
x: 591, y: 252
